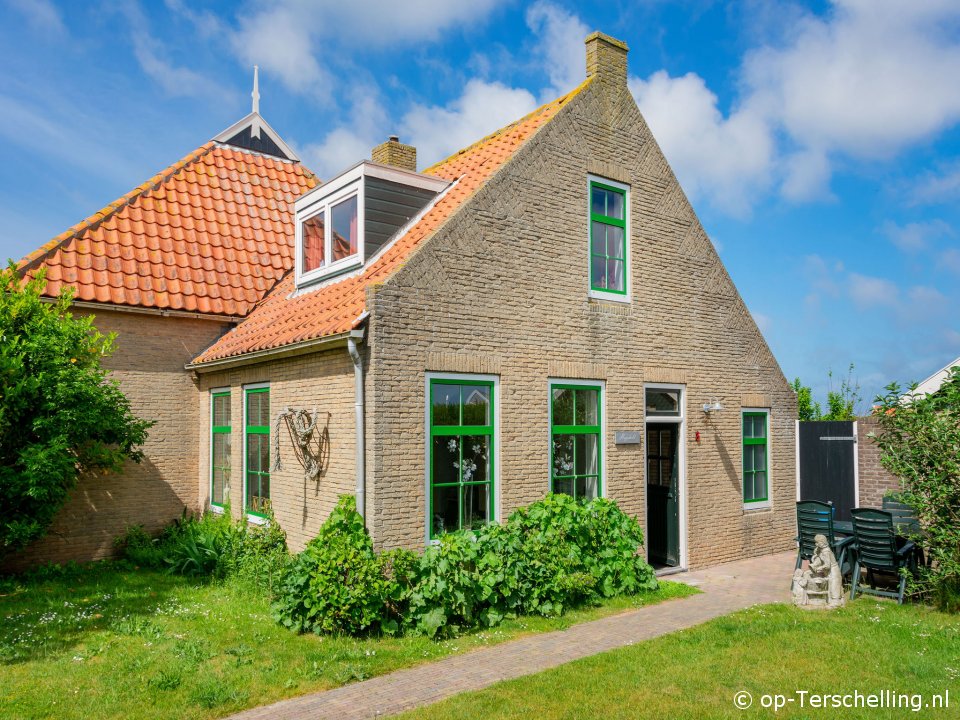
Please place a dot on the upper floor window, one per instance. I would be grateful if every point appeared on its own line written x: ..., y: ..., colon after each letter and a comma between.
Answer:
x: 346, y: 221
x: 609, y: 247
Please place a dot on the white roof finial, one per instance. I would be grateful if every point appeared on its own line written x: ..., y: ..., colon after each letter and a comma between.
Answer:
x: 256, y: 89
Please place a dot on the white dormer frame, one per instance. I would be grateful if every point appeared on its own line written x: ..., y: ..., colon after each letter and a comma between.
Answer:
x: 347, y: 184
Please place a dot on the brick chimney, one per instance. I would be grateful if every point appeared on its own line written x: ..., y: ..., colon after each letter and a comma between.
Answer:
x: 606, y: 58
x: 395, y: 153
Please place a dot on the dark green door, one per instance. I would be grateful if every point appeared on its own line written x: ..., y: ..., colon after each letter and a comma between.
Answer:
x: 663, y: 494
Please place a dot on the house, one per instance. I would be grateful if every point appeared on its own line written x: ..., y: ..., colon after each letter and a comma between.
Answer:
x: 541, y: 310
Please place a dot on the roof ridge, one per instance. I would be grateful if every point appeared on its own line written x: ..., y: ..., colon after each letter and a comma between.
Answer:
x: 91, y: 223
x: 558, y: 100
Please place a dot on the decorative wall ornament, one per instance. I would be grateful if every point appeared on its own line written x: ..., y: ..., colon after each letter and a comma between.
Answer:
x: 311, y: 444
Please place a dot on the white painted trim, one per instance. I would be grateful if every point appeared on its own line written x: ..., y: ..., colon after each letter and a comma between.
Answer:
x: 366, y: 168
x: 856, y: 466
x: 768, y: 503
x: 603, y: 424
x: 111, y: 307
x: 628, y: 195
x: 257, y: 122
x: 498, y: 475
x: 797, y: 457
x: 681, y: 456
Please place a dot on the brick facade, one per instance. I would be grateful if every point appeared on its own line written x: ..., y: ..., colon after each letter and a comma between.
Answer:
x: 321, y: 380
x: 502, y: 289
x: 148, y: 361
x: 874, y: 479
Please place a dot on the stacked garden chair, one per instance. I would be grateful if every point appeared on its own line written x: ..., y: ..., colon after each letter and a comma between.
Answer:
x: 816, y: 518
x: 876, y: 550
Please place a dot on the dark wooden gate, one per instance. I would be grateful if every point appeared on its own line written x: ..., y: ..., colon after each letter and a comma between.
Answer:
x: 828, y: 458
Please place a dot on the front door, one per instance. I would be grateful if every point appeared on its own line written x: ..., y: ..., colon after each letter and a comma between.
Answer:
x: 663, y: 494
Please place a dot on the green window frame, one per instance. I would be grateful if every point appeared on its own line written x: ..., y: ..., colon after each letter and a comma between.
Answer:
x: 756, y: 456
x: 576, y: 447
x: 608, y: 239
x: 461, y: 454
x: 256, y: 412
x: 220, y: 447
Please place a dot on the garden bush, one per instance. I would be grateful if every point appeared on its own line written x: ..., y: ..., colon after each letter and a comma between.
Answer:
x: 211, y: 545
x: 555, y: 554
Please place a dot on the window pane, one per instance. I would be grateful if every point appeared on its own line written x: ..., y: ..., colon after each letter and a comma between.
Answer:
x: 313, y: 231
x: 590, y: 488
x: 748, y: 458
x: 759, y: 457
x: 598, y: 273
x: 562, y: 406
x: 253, y: 453
x: 563, y: 485
x: 476, y: 504
x: 258, y: 409
x: 562, y: 455
x: 598, y: 201
x: 344, y: 218
x: 446, y: 510
x: 446, y: 460
x: 598, y: 233
x: 587, y: 407
x: 580, y: 488
x: 663, y: 402
x: 221, y: 410
x: 614, y: 274
x: 585, y: 462
x: 760, y: 485
x: 476, y: 459
x: 476, y: 405
x: 615, y: 205
x: 614, y: 242
x: 446, y: 404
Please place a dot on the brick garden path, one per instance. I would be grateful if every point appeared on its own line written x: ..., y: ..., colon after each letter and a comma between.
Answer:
x: 726, y: 589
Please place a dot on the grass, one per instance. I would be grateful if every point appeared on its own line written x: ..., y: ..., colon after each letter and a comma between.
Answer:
x: 869, y: 647
x: 107, y: 642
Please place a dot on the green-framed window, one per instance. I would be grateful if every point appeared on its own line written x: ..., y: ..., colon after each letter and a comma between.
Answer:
x: 608, y: 238
x: 257, y: 450
x: 575, y: 443
x: 219, y: 447
x: 756, y: 458
x: 461, y: 454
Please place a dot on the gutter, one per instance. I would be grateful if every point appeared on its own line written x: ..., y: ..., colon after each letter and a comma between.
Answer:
x: 300, y: 348
x: 355, y: 336
x: 160, y: 312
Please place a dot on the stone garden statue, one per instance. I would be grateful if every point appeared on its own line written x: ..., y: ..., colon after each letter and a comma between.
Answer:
x: 821, y: 584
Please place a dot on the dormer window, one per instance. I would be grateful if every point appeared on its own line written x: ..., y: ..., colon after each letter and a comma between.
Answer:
x: 344, y: 223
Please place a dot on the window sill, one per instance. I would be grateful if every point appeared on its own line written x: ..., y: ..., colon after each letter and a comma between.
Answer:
x: 218, y: 509
x: 623, y: 299
x: 341, y: 267
x: 752, y: 507
x: 257, y: 519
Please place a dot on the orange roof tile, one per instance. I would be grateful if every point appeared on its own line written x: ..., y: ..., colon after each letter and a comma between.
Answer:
x: 285, y: 318
x: 210, y: 234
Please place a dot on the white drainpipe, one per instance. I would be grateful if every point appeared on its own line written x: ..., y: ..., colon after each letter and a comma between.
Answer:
x: 352, y: 340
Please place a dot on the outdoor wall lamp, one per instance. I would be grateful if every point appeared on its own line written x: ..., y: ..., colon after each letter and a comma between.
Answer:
x: 712, y: 406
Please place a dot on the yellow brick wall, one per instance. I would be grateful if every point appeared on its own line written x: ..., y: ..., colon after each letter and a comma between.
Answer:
x: 322, y: 380
x: 503, y: 288
x: 149, y: 358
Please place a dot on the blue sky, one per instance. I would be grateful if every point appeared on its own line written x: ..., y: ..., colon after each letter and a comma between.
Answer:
x: 819, y: 142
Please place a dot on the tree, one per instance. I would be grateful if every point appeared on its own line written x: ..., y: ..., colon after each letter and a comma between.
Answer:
x: 841, y: 403
x: 60, y: 415
x: 919, y: 441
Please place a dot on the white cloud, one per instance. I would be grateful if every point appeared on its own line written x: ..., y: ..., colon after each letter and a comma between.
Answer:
x: 869, y: 292
x: 345, y: 145
x: 727, y: 160
x: 300, y: 40
x: 175, y: 80
x: 950, y: 259
x: 41, y: 15
x: 940, y: 187
x: 482, y: 108
x: 916, y: 236
x: 560, y: 48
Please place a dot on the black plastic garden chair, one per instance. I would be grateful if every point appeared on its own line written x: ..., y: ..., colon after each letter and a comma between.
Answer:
x: 816, y: 518
x: 875, y: 549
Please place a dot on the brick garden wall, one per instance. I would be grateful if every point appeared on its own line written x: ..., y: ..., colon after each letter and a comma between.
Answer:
x: 502, y: 288
x: 875, y: 480
x: 149, y: 358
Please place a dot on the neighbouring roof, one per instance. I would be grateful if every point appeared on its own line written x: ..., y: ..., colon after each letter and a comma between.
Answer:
x: 286, y: 317
x: 933, y: 383
x: 210, y: 234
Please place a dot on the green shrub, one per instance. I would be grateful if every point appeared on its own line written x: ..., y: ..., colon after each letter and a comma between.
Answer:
x: 555, y: 554
x: 141, y: 549
x: 338, y: 584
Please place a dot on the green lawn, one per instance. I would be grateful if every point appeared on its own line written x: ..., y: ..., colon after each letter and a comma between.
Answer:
x: 103, y: 642
x: 869, y: 647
